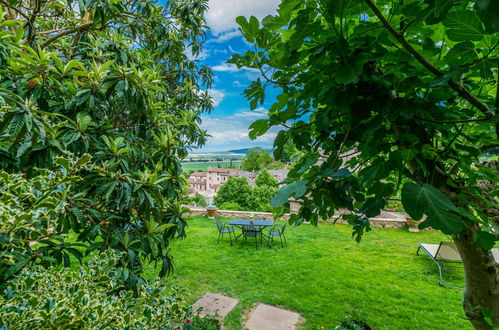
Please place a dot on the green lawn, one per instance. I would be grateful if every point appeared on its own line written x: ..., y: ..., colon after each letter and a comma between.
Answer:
x: 322, y: 274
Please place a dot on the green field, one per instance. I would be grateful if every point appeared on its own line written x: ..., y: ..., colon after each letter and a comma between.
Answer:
x: 322, y: 274
x: 193, y: 166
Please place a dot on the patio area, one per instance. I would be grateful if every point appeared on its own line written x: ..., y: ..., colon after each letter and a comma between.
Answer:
x: 323, y: 275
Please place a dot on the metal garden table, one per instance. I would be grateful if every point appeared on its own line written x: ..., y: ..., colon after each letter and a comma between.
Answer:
x: 259, y: 224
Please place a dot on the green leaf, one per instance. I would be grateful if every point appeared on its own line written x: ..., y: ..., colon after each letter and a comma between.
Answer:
x: 296, y: 189
x: 441, y: 213
x: 488, y: 11
x: 83, y: 160
x: 463, y: 25
x: 442, y: 7
x: 485, y: 240
x: 461, y: 53
x: 274, y: 22
x: 258, y: 128
x: 15, y: 268
x: 83, y: 120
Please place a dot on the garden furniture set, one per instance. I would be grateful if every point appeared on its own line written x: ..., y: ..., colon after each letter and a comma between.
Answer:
x: 253, y: 229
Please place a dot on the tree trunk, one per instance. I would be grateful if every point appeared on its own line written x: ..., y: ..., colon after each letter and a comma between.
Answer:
x: 481, y: 293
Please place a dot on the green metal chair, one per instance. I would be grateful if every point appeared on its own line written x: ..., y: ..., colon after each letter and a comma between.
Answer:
x: 278, y: 230
x: 251, y: 231
x: 224, y: 229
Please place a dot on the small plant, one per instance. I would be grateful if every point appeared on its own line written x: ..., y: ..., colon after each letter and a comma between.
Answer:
x: 354, y: 320
x: 207, y: 322
x: 92, y: 297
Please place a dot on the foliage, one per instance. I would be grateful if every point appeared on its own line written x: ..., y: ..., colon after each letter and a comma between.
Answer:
x: 260, y: 198
x: 276, y: 165
x: 92, y: 297
x: 373, y: 277
x: 264, y: 178
x: 28, y: 213
x: 235, y: 189
x: 110, y: 79
x: 237, y: 194
x: 233, y: 206
x: 288, y: 152
x: 256, y: 159
x: 207, y: 322
x: 198, y: 200
x: 409, y: 91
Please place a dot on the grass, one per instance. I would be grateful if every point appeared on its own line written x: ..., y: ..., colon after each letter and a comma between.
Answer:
x: 322, y: 274
x: 194, y: 166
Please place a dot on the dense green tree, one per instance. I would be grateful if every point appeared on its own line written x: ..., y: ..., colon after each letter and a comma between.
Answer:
x: 110, y: 84
x: 256, y: 158
x: 260, y: 198
x: 411, y: 86
x: 264, y: 178
x: 235, y: 189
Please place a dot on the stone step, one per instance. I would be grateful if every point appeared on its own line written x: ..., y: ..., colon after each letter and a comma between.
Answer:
x: 215, y: 305
x: 265, y: 317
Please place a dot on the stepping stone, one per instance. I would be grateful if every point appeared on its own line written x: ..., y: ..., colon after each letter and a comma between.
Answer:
x: 271, y: 318
x: 215, y: 304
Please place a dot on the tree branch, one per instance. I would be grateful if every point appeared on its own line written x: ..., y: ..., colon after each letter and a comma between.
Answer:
x: 451, y: 121
x: 64, y: 33
x: 461, y: 90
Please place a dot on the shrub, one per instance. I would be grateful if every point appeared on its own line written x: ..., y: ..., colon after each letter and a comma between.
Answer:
x: 231, y: 206
x: 89, y: 298
x: 235, y: 190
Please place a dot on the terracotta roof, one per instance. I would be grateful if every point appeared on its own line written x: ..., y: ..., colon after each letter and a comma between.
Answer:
x: 221, y: 170
x: 198, y: 173
x: 196, y: 181
x: 215, y: 186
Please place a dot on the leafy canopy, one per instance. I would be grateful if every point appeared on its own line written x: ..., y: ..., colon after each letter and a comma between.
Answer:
x: 382, y: 96
x: 110, y: 84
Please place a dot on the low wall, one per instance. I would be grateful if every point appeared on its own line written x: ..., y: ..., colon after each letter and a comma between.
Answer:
x: 379, y: 222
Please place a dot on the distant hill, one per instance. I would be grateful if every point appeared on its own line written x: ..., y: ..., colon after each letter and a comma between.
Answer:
x: 244, y: 151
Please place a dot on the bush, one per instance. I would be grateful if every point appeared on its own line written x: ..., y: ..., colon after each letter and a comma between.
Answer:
x: 198, y: 200
x: 93, y: 297
x: 235, y: 190
x: 231, y: 206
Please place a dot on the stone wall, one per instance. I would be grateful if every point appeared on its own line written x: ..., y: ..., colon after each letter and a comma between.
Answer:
x: 379, y: 222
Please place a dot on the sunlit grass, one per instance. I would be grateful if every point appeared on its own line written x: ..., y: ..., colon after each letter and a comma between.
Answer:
x: 322, y: 274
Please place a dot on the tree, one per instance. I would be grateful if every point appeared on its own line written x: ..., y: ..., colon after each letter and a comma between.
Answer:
x: 234, y: 190
x: 260, y: 197
x: 264, y: 178
x: 102, y: 93
x: 256, y: 158
x: 410, y: 90
x: 288, y: 152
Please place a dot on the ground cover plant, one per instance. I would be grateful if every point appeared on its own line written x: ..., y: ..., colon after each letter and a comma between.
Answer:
x: 384, y: 98
x: 324, y: 275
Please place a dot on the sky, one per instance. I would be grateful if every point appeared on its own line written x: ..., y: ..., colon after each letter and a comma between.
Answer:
x: 229, y: 121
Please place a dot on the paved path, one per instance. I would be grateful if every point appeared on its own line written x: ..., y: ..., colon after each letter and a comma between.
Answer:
x: 215, y: 304
x: 265, y: 317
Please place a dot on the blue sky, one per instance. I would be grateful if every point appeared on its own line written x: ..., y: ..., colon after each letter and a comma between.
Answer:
x: 228, y: 123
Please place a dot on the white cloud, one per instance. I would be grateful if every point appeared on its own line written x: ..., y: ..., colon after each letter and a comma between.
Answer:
x: 217, y: 95
x: 226, y: 67
x: 221, y: 16
x: 225, y: 37
x: 259, y: 112
x: 236, y: 83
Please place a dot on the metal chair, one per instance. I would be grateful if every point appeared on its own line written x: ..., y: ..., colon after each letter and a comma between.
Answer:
x: 251, y: 231
x: 224, y: 229
x: 278, y: 230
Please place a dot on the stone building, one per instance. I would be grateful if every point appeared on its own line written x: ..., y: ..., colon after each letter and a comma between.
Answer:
x: 207, y: 183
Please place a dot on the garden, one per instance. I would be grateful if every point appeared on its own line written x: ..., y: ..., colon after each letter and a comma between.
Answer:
x: 365, y: 101
x: 323, y: 275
